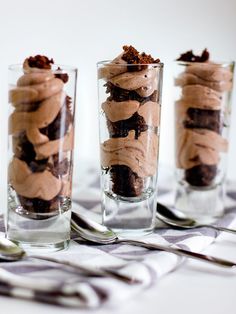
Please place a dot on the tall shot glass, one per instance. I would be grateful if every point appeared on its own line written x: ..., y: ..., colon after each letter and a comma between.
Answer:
x: 202, y: 121
x: 129, y: 114
x: 41, y: 140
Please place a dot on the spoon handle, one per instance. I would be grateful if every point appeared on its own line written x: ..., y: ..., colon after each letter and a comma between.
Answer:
x: 89, y: 271
x: 202, y: 257
x: 218, y: 228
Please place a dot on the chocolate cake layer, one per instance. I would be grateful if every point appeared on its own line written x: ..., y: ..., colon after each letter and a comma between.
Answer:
x: 22, y: 148
x: 202, y: 175
x: 203, y: 119
x: 122, y: 128
x: 39, y: 206
x: 125, y: 182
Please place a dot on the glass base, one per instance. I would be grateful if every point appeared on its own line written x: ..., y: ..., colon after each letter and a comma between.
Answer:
x: 205, y: 205
x: 128, y: 216
x: 132, y: 233
x: 36, y: 231
x: 42, y: 248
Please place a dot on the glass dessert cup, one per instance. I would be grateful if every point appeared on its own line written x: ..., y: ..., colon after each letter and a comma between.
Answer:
x: 202, y: 121
x: 129, y: 116
x: 41, y: 140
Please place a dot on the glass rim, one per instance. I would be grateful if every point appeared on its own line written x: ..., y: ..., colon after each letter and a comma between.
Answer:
x: 216, y: 63
x: 109, y: 63
x: 63, y: 68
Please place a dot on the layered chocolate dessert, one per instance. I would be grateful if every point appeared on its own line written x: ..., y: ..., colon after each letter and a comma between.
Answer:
x: 41, y: 125
x: 132, y: 111
x: 200, y: 115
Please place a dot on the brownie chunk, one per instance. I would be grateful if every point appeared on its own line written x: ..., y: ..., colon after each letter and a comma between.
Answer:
x: 40, y: 62
x: 59, y: 167
x: 125, y: 182
x: 132, y: 56
x: 189, y: 56
x: 121, y: 128
x: 203, y: 119
x: 62, y: 76
x: 22, y: 148
x: 201, y: 175
x: 59, y: 127
x: 38, y: 165
x: 39, y: 206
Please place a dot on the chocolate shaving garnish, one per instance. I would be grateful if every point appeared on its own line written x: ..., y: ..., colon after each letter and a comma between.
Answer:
x: 62, y: 76
x: 189, y: 56
x: 40, y: 62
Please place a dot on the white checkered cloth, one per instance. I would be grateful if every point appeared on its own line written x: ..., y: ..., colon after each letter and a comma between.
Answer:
x: 48, y: 282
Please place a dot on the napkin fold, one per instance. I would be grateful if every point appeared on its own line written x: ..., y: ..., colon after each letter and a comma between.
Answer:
x: 49, y: 282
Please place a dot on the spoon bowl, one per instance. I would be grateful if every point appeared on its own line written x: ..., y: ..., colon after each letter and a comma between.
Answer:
x: 177, y: 219
x: 173, y: 217
x: 10, y: 251
x: 90, y: 230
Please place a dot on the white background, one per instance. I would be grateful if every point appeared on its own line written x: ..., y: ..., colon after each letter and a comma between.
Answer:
x: 80, y: 33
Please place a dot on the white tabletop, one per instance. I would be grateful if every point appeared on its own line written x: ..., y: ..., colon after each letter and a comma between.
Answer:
x: 193, y: 288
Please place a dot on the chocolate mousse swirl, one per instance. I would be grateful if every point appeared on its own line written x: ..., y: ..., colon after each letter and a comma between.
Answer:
x: 199, y: 117
x: 41, y: 126
x: 132, y: 111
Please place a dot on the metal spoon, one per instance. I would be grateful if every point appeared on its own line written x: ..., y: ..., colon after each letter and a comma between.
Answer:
x: 10, y: 252
x: 95, y: 232
x: 175, y: 218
